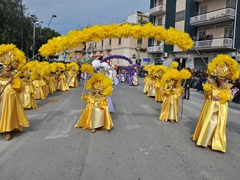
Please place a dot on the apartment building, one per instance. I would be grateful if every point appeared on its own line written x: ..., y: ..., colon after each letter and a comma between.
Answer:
x: 135, y: 49
x: 211, y: 23
x: 73, y: 54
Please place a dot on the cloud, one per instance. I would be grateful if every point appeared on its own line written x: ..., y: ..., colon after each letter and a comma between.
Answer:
x: 73, y: 14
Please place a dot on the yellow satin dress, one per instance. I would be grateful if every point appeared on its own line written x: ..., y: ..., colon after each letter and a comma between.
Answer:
x: 135, y: 79
x: 211, y: 127
x: 51, y: 84
x: 46, y: 87
x: 159, y: 91
x: 72, y: 78
x: 146, y: 82
x: 151, y: 88
x: 62, y: 83
x: 88, y: 121
x: 39, y: 84
x: 28, y: 95
x: 13, y: 116
x: 56, y: 81
x: 169, y: 110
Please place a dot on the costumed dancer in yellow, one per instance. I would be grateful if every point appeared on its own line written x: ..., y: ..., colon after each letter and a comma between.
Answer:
x: 96, y: 113
x: 56, y: 74
x: 72, y: 72
x: 12, y: 113
x: 151, y: 83
x: 39, y: 83
x: 62, y: 80
x: 52, y: 77
x: 46, y: 71
x: 146, y: 80
x: 160, y: 70
x: 211, y: 127
x: 171, y: 82
x: 27, y: 97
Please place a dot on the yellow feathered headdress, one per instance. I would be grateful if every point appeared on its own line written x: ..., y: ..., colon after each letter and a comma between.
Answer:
x: 224, y: 66
x: 171, y: 76
x: 100, y: 82
x: 160, y: 70
x: 174, y: 65
x: 11, y: 56
x: 73, y: 66
x: 61, y: 66
x: 148, y: 67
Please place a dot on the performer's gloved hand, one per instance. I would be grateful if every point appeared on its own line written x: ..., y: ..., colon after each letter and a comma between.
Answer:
x: 216, y: 98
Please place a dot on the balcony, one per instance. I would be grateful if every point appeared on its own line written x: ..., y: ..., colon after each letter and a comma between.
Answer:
x: 108, y: 47
x: 91, y: 49
x: 158, y: 10
x: 83, y: 50
x: 220, y: 44
x: 155, y: 49
x: 213, y: 17
x: 141, y: 46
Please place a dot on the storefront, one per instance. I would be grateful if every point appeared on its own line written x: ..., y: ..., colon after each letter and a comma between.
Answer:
x: 199, y: 64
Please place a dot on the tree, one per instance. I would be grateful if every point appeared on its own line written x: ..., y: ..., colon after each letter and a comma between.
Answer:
x: 17, y: 28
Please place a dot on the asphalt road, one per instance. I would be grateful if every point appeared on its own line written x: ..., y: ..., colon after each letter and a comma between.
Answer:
x: 139, y: 147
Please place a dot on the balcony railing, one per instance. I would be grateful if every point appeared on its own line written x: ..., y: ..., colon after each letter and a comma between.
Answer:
x: 79, y: 50
x: 213, y: 17
x: 220, y: 43
x: 155, y: 49
x: 91, y: 49
x: 142, y: 46
x: 161, y: 9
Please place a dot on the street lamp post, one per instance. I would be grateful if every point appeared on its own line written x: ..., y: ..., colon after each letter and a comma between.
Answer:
x: 35, y: 21
x: 53, y: 16
x: 33, y: 45
x: 21, y: 25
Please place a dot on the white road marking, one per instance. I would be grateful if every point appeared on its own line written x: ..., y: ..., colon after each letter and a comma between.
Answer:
x: 63, y: 128
x: 130, y: 124
x: 149, y: 109
x: 76, y: 111
x: 36, y: 116
x: 136, y: 126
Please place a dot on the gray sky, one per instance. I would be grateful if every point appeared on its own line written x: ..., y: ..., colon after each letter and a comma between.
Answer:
x: 77, y: 14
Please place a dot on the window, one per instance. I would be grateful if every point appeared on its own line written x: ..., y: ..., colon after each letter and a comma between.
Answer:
x: 119, y: 40
x: 228, y: 32
x: 202, y: 35
x: 180, y: 16
x: 110, y: 41
x: 203, y: 9
x: 90, y: 44
x: 231, y: 3
x: 139, y: 41
x: 159, y: 43
x: 102, y: 43
x: 159, y: 21
x: 95, y: 44
x: 160, y: 2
